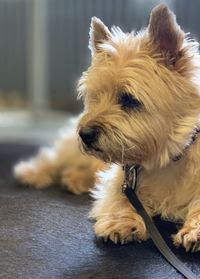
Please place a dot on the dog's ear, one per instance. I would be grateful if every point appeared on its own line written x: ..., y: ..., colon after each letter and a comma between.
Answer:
x: 164, y: 31
x: 99, y: 33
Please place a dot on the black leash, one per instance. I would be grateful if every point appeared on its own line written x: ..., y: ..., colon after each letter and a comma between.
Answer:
x: 128, y: 189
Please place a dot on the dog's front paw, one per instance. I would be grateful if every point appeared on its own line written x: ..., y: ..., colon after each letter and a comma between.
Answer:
x: 189, y: 236
x: 121, y: 229
x: 77, y: 181
x: 28, y: 174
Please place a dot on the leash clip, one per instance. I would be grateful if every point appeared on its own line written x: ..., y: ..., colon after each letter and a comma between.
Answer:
x: 130, y: 179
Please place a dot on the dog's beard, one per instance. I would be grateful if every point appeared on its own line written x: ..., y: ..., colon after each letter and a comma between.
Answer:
x: 113, y: 152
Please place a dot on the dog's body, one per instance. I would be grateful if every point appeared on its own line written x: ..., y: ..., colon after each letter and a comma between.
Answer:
x: 142, y: 106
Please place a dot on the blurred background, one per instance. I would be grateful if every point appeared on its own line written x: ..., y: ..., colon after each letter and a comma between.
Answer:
x: 44, y: 49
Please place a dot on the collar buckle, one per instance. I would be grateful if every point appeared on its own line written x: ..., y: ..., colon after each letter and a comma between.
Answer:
x: 130, y: 179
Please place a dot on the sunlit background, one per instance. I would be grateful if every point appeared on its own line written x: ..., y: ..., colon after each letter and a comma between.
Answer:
x: 44, y: 49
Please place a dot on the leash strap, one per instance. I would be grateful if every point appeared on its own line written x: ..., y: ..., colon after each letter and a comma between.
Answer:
x: 128, y: 189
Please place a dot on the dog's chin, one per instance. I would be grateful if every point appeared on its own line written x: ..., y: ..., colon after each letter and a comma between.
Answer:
x: 98, y: 153
x: 109, y: 156
x: 105, y: 156
x: 95, y: 151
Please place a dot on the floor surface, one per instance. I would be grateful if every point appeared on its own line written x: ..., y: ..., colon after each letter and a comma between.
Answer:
x: 46, y: 234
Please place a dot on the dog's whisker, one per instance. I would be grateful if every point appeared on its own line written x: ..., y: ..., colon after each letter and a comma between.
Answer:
x: 129, y: 148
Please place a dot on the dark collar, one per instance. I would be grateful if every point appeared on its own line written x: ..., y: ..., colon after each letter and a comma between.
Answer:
x: 133, y: 170
x: 191, y: 140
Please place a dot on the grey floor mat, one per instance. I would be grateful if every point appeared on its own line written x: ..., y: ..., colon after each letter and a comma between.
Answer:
x: 46, y: 234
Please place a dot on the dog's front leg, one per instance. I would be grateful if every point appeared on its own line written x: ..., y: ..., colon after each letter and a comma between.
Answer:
x: 189, y: 235
x: 115, y: 218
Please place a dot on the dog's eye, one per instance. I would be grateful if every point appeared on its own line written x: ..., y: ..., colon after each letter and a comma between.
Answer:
x: 126, y: 101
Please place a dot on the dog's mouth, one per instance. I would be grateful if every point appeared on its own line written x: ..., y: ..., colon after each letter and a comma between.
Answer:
x: 96, y: 151
x: 91, y: 149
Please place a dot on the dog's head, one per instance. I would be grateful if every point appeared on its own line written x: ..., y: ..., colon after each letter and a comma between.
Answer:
x: 140, y: 93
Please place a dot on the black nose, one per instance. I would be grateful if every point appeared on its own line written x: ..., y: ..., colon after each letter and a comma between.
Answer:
x: 89, y: 135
